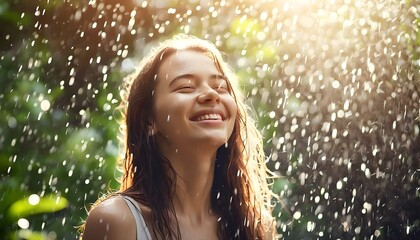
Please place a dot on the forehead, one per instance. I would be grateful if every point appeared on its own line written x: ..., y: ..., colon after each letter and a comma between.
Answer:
x: 187, y: 62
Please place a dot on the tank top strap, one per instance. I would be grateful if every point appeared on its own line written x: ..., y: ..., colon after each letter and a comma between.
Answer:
x: 142, y: 231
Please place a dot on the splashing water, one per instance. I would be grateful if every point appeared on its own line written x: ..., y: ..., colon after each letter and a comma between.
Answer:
x: 334, y: 84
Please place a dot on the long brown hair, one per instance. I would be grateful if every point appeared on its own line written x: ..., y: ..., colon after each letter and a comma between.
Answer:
x: 240, y: 193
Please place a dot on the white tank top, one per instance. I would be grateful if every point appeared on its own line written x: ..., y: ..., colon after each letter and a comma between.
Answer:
x: 142, y: 232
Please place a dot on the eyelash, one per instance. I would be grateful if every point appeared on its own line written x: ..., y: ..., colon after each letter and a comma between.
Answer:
x: 222, y: 88
x: 184, y: 87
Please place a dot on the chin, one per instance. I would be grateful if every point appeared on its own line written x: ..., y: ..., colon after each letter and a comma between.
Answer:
x: 217, y: 142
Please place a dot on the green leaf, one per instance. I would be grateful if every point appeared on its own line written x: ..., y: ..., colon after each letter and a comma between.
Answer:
x: 30, y: 235
x: 47, y: 204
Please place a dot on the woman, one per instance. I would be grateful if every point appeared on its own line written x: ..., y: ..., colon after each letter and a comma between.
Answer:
x: 194, y: 165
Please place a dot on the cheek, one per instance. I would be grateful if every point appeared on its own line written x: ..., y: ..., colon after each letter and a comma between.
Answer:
x: 160, y: 110
x: 231, y: 107
x: 169, y: 109
x: 233, y: 113
x: 162, y: 114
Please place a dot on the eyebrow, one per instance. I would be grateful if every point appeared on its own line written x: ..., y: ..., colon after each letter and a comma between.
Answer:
x: 194, y: 76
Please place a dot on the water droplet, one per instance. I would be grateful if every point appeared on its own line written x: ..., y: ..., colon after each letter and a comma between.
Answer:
x: 339, y: 185
x: 23, y: 223
x: 297, y: 215
x: 33, y: 199
x: 45, y: 105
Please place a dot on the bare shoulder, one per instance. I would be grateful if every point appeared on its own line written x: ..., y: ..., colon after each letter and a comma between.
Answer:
x: 110, y: 220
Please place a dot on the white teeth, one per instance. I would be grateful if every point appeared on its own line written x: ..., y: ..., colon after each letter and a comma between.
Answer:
x: 212, y: 116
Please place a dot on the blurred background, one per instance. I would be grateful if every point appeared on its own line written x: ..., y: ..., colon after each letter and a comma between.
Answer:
x: 334, y: 85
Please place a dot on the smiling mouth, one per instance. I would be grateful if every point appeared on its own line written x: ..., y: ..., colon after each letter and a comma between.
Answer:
x: 213, y: 116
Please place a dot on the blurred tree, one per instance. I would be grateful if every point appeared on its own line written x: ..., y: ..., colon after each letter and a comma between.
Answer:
x: 58, y: 128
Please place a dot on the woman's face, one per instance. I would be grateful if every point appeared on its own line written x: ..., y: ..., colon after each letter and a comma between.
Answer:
x: 192, y: 102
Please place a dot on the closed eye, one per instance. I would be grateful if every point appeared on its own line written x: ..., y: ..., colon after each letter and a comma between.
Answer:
x: 221, y: 87
x: 185, y: 88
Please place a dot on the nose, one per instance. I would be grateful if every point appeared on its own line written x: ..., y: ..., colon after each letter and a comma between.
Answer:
x: 208, y: 95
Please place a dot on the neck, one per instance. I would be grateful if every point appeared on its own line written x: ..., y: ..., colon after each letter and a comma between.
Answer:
x: 194, y: 178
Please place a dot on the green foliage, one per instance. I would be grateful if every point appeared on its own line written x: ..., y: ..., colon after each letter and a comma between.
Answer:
x: 48, y: 204
x: 31, y: 235
x: 49, y: 150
